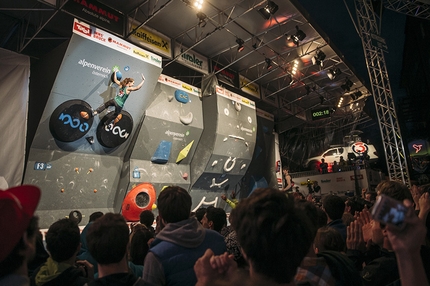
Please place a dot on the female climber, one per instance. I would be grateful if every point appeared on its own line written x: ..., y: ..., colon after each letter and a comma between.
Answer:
x: 125, y: 88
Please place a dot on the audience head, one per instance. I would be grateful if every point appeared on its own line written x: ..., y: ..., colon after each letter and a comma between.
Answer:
x: 18, y: 225
x: 347, y: 218
x: 139, y: 244
x: 94, y: 216
x: 147, y: 218
x: 370, y: 196
x: 63, y: 239
x: 107, y: 238
x: 311, y: 212
x: 214, y: 218
x: 328, y: 238
x: 267, y: 225
x: 200, y: 212
x: 174, y: 204
x: 334, y: 206
x: 353, y: 204
x: 395, y: 190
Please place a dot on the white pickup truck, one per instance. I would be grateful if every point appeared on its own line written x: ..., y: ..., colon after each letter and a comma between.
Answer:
x: 334, y: 154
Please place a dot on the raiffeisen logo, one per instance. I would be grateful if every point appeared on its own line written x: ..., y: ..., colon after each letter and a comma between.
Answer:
x: 149, y: 39
x: 86, y: 64
x: 191, y: 58
x: 140, y: 53
x: 187, y: 87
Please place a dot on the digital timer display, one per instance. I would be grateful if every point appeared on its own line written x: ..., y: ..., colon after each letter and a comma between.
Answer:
x: 320, y: 113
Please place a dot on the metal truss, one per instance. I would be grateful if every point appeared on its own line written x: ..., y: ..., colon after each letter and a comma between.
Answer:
x: 382, y: 94
x: 411, y: 8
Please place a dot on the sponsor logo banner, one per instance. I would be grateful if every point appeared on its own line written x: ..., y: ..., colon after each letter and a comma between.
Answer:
x: 192, y: 59
x: 233, y: 96
x: 249, y: 87
x: 150, y: 39
x: 98, y: 14
x: 113, y: 42
x: 167, y: 80
x: 226, y: 75
x: 265, y: 114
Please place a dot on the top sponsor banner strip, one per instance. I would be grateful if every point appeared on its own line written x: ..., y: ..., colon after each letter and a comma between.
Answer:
x: 192, y: 59
x: 104, y: 38
x: 167, y: 80
x: 226, y: 75
x: 98, y: 14
x: 249, y: 87
x: 265, y: 114
x: 233, y: 96
x: 150, y: 39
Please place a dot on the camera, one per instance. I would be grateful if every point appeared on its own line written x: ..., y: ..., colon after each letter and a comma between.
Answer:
x: 389, y: 211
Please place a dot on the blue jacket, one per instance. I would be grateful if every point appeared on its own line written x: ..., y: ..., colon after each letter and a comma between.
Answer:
x: 173, y: 253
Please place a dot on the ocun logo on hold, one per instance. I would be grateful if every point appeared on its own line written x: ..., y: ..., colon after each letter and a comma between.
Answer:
x: 74, y: 123
x: 86, y: 64
x: 116, y: 130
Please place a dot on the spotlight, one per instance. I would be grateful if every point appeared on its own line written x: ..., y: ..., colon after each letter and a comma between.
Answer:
x: 347, y: 85
x: 240, y: 43
x: 290, y: 79
x: 295, y: 66
x: 339, y: 104
x: 297, y: 37
x: 333, y: 73
x: 308, y: 89
x: 268, y: 64
x: 202, y: 19
x: 356, y: 95
x: 198, y: 4
x: 318, y: 58
x: 268, y: 10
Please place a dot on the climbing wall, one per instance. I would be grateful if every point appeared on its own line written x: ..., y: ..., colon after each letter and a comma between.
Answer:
x: 167, y: 141
x: 79, y: 162
x: 226, y: 147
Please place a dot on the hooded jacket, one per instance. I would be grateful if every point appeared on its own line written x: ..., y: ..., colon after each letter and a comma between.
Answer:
x: 175, y: 250
x: 54, y: 273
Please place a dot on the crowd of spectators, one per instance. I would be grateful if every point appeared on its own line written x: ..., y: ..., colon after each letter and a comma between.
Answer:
x: 269, y: 238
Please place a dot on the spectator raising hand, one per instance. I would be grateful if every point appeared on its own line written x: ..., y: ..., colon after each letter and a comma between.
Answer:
x: 354, y: 237
x: 406, y: 244
x: 365, y: 220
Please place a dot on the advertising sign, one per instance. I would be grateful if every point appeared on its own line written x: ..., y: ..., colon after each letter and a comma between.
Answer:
x: 150, y: 39
x: 225, y: 75
x: 98, y: 14
x: 192, y: 59
x: 249, y: 87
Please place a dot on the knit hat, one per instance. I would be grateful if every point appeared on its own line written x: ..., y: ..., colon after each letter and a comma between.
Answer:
x: 17, y: 206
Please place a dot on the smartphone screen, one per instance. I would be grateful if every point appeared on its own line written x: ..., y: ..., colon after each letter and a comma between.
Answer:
x: 389, y: 211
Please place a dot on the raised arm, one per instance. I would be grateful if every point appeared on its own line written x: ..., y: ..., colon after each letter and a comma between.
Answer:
x: 133, y: 88
x: 115, y: 79
x: 406, y: 244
